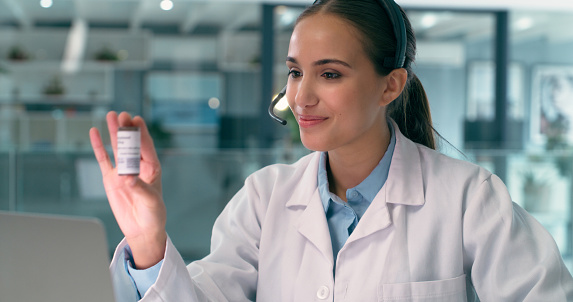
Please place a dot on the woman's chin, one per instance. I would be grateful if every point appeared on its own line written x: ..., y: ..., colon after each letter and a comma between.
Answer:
x: 314, y: 144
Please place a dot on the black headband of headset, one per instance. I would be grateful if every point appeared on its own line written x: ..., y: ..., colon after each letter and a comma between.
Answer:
x: 399, y: 27
x: 399, y: 31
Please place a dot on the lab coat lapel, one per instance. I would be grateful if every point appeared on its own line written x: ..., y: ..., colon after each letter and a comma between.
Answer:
x: 305, y: 200
x: 405, y: 183
x: 312, y: 225
x: 404, y: 186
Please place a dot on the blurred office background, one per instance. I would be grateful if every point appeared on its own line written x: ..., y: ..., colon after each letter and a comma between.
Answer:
x: 202, y: 73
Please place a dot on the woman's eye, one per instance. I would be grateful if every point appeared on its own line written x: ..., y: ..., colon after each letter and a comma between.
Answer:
x: 294, y: 73
x: 330, y: 75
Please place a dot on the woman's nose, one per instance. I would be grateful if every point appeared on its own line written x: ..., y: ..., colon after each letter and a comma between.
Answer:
x: 305, y: 95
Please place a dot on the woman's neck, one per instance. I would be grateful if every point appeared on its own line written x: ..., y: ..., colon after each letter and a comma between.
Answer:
x: 348, y: 167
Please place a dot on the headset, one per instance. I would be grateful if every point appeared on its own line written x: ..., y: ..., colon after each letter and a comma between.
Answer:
x: 395, y: 62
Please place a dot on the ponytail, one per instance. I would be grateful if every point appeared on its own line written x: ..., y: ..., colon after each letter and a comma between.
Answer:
x: 411, y: 111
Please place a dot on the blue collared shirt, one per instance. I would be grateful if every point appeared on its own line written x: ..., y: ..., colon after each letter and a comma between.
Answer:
x: 343, y: 217
x: 142, y: 279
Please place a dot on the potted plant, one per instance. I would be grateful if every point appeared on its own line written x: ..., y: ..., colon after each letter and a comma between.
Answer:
x: 17, y: 53
x: 55, y: 87
x: 106, y: 55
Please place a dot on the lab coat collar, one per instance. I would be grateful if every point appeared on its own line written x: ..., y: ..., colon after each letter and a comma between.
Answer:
x: 405, y: 183
x: 307, y: 184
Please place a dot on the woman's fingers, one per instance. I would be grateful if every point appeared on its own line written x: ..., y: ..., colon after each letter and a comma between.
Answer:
x: 125, y: 120
x: 148, y: 152
x: 112, y: 126
x: 114, y: 121
x: 99, y: 151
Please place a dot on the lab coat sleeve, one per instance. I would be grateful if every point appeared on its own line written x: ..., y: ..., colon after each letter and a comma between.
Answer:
x: 228, y: 273
x: 173, y: 282
x: 124, y: 287
x: 510, y: 255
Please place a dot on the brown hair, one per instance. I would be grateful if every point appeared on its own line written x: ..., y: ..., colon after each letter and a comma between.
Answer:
x: 411, y: 110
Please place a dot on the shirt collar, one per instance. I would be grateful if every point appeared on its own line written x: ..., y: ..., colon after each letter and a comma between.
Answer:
x: 370, y: 186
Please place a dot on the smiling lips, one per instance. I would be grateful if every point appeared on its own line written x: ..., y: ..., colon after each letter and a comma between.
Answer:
x: 306, y: 121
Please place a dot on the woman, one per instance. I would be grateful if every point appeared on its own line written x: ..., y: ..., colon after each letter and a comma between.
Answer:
x: 376, y: 214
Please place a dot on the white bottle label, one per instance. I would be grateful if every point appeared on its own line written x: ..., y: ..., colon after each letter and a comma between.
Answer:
x: 128, y: 150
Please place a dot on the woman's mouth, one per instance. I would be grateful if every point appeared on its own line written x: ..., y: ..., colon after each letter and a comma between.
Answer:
x: 306, y: 121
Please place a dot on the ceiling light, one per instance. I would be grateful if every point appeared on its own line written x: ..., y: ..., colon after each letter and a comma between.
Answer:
x: 429, y: 20
x: 214, y: 103
x: 524, y: 23
x: 166, y: 4
x: 281, y: 9
x: 46, y: 3
x: 75, y: 46
x: 287, y: 18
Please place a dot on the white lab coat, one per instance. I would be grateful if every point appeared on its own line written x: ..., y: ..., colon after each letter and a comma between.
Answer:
x: 438, y: 229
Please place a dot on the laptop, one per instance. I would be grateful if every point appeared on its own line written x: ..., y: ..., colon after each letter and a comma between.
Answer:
x: 53, y: 259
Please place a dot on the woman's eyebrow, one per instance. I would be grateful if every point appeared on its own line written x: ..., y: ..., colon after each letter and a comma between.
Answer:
x: 322, y: 62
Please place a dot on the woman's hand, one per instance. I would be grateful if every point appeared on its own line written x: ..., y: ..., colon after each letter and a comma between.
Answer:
x: 136, y: 201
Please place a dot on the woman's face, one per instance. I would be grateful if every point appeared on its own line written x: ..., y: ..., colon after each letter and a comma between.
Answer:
x: 333, y: 89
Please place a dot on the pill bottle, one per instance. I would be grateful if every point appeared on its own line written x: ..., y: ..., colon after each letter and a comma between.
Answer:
x: 128, y: 150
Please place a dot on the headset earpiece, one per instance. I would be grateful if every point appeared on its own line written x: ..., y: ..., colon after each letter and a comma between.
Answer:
x: 274, y: 103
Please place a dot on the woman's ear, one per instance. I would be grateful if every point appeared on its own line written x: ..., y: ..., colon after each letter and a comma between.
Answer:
x: 395, y: 82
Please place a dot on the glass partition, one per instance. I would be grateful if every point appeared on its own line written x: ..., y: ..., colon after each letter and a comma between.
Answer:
x: 453, y: 46
x: 5, y: 181
x: 542, y: 43
x: 197, y: 184
x: 541, y: 183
